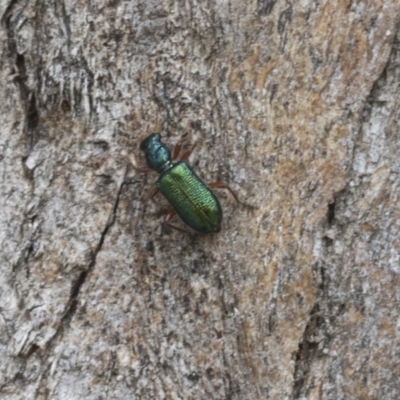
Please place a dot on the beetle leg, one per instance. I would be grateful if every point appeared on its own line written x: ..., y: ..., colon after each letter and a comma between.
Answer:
x: 153, y: 194
x: 177, y: 150
x: 220, y: 185
x: 168, y: 217
x: 178, y: 147
x: 187, y: 154
x: 143, y: 170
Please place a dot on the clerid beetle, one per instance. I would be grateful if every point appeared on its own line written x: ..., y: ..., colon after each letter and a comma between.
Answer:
x: 189, y: 196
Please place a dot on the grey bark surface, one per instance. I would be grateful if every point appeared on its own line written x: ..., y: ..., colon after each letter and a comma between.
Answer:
x: 294, y: 104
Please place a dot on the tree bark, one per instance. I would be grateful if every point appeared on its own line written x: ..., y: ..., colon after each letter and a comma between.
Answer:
x: 295, y: 105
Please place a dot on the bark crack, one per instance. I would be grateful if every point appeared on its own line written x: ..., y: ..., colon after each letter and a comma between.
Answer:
x: 307, y: 351
x: 319, y: 328
x: 27, y: 96
x: 76, y: 287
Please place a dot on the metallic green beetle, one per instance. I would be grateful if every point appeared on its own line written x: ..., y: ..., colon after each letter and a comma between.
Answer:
x: 189, y: 196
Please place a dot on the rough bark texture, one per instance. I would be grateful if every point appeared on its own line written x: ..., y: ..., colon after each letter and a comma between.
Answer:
x: 296, y: 105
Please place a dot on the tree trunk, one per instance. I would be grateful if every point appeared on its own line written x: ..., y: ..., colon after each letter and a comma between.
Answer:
x: 295, y: 105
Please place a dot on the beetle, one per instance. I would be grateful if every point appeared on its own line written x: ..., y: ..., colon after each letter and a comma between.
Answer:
x: 190, y: 198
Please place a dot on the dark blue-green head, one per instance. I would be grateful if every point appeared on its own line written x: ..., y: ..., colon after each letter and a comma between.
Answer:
x: 158, y: 156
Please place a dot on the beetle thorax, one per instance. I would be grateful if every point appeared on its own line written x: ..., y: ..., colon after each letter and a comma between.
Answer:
x: 158, y: 156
